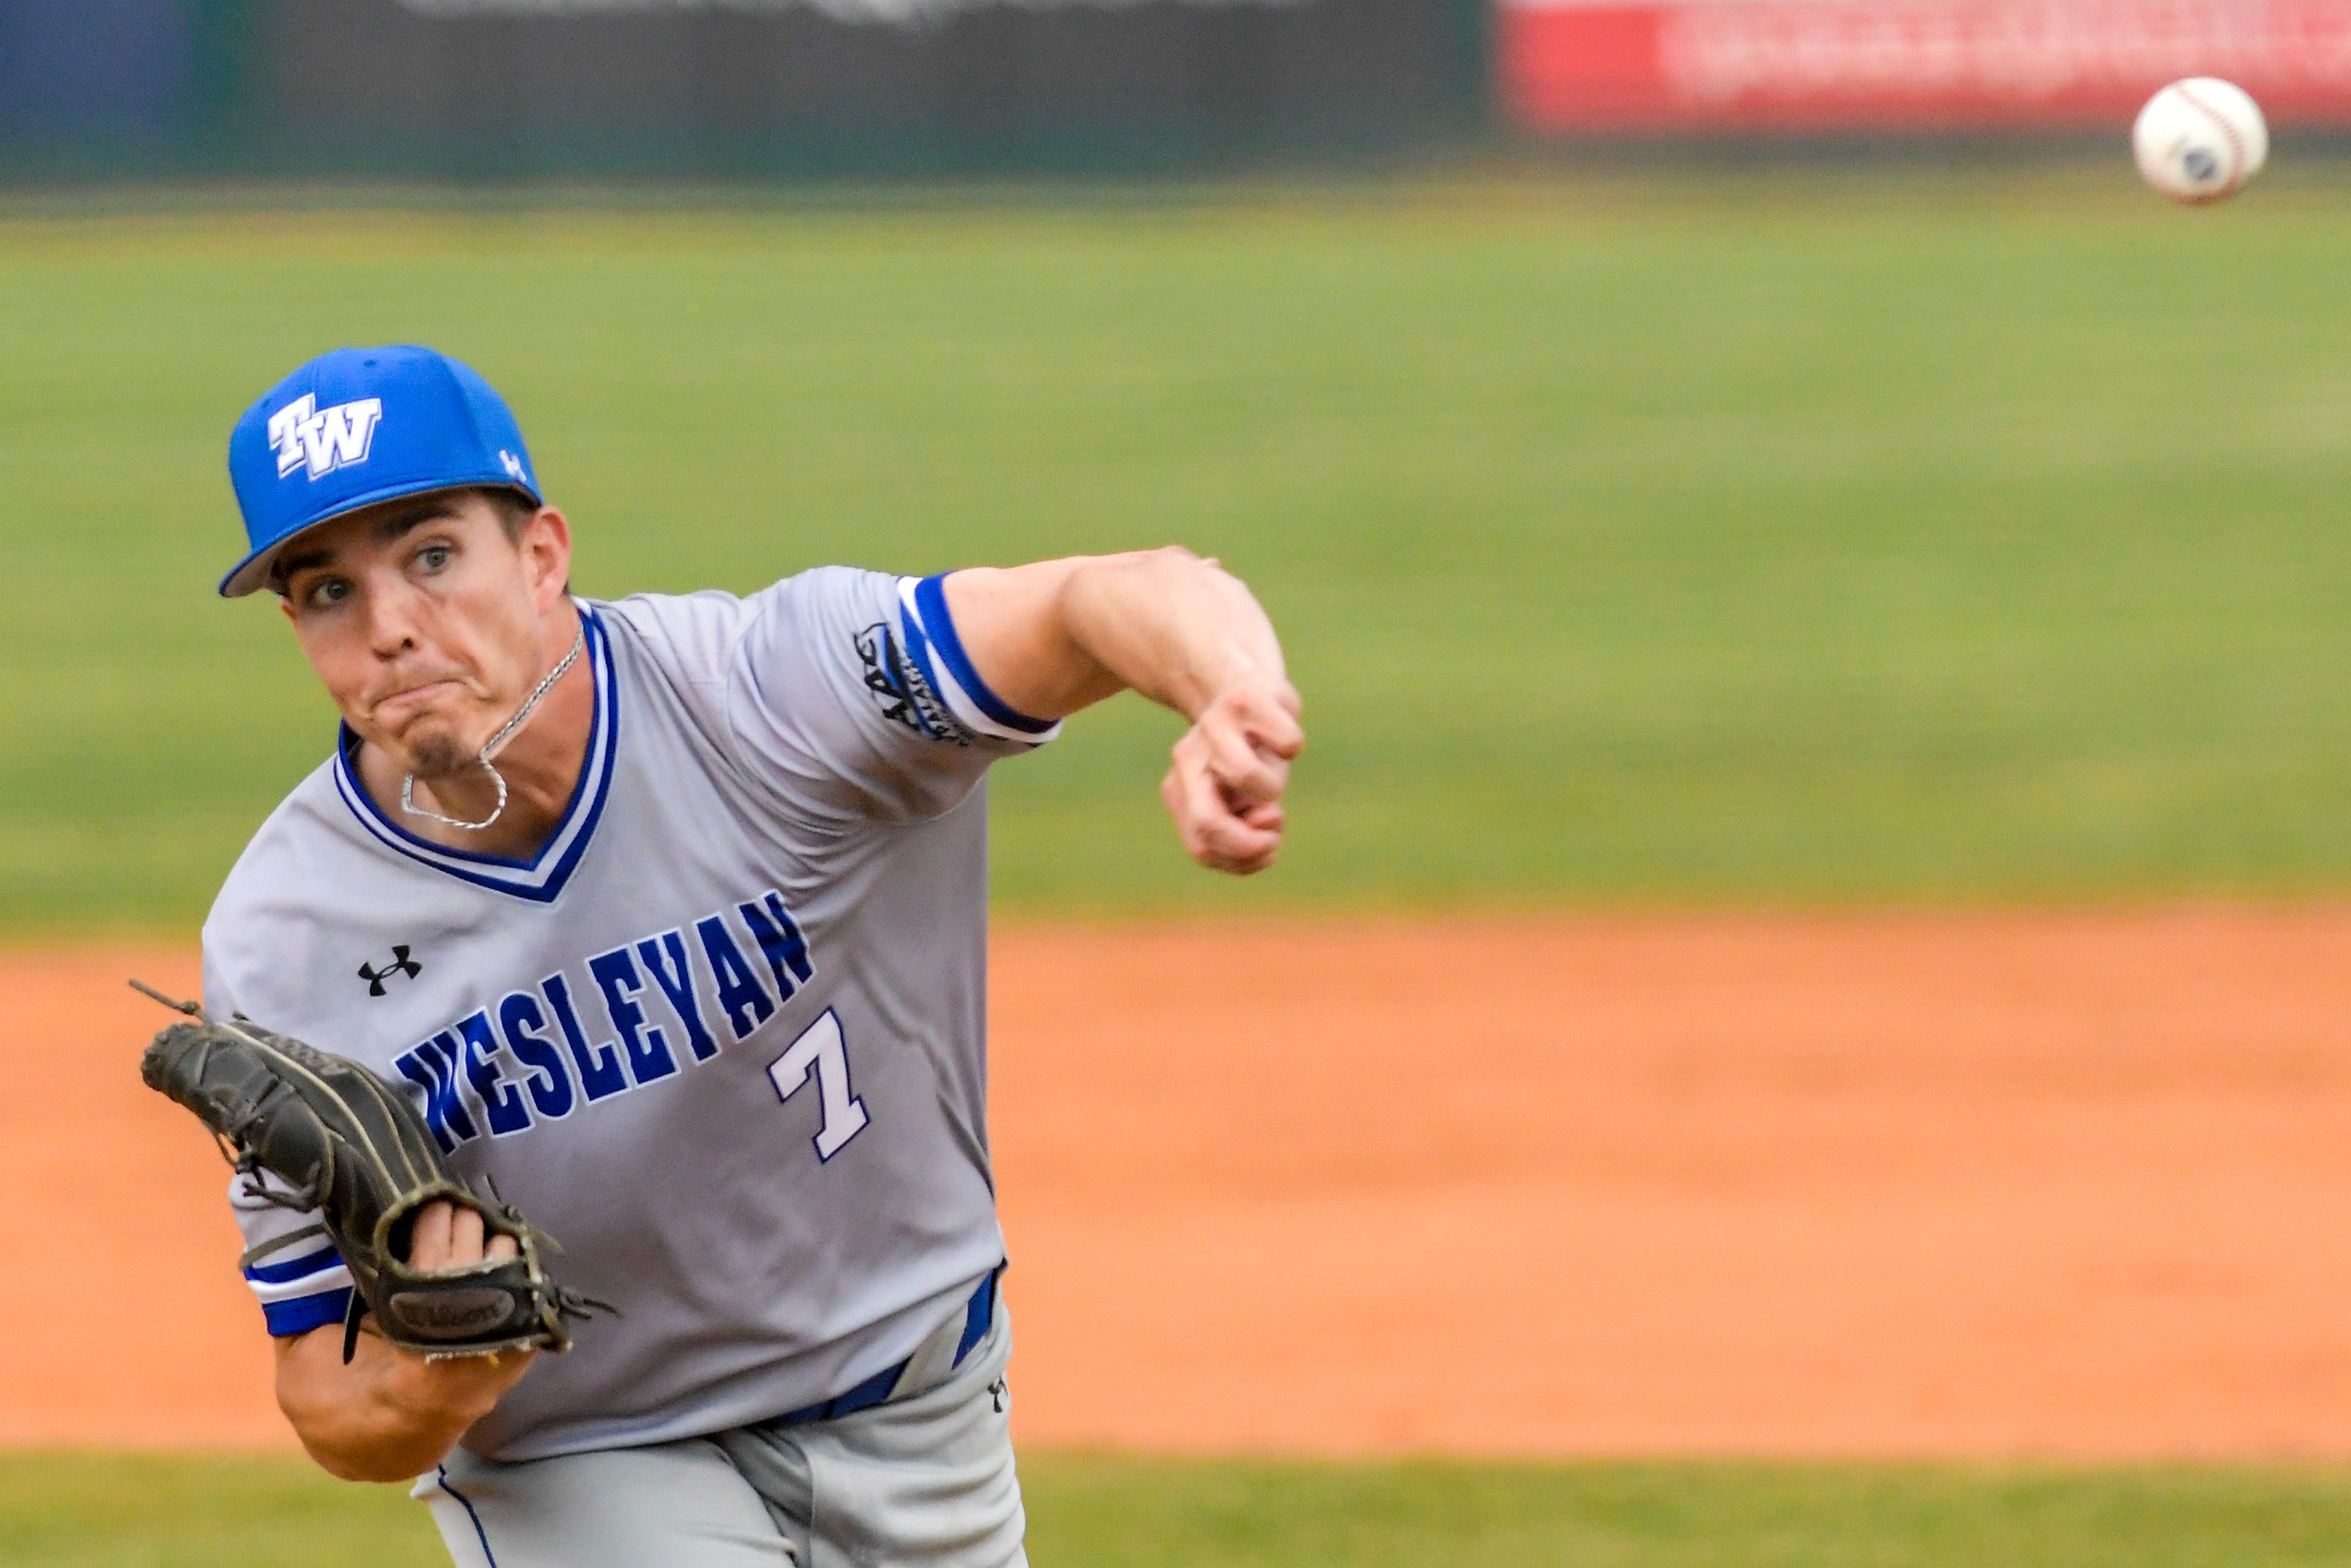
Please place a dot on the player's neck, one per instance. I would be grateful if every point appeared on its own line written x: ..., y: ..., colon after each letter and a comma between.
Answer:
x: 540, y: 764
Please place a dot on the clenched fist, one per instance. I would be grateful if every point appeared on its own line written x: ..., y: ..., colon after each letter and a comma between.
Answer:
x: 1223, y: 788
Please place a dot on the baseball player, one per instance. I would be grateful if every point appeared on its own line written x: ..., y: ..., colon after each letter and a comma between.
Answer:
x: 669, y: 914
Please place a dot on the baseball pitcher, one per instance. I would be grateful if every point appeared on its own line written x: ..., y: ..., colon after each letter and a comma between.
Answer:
x: 665, y: 917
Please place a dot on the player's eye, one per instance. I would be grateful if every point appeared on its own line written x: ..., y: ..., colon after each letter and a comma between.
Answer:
x: 432, y: 558
x: 326, y: 592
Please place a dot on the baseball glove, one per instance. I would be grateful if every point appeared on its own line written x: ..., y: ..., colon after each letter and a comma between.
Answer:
x: 345, y: 1143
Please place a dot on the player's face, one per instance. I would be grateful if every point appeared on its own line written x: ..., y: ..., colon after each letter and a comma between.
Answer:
x: 427, y: 621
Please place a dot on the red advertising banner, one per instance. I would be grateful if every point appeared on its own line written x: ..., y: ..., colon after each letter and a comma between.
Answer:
x: 1822, y: 65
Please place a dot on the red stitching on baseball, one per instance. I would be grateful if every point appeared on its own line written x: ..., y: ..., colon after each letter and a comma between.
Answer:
x: 2228, y: 132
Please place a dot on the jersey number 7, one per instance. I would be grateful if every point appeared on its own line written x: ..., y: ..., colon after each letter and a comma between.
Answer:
x: 821, y: 1052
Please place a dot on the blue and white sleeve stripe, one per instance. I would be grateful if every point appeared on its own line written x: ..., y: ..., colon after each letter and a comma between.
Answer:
x: 931, y: 638
x: 299, y: 1294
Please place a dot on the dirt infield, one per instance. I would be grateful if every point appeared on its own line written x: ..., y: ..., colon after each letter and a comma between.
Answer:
x: 1966, y: 1185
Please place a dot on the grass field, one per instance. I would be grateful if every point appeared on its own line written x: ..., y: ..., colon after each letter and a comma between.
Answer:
x: 88, y: 1511
x: 1873, y: 537
x: 1777, y: 540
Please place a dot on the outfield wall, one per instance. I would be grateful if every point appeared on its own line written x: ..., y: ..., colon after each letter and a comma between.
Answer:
x: 720, y: 89
x: 441, y: 90
x: 1573, y: 66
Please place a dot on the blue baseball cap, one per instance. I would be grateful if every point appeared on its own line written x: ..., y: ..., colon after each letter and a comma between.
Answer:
x: 358, y: 426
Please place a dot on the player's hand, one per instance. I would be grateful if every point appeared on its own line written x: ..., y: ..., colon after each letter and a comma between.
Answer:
x: 448, y: 1236
x: 393, y: 1413
x: 1225, y: 786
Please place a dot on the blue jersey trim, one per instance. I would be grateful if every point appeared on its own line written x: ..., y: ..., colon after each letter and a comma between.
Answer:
x: 931, y: 604
x: 303, y: 1313
x: 441, y: 1474
x: 977, y: 1314
x: 918, y: 644
x: 309, y: 1263
x: 542, y: 879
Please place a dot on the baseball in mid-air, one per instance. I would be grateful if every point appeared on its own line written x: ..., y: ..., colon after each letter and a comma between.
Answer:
x: 2200, y: 139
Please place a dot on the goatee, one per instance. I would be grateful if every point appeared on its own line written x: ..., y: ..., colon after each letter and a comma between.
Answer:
x: 437, y: 757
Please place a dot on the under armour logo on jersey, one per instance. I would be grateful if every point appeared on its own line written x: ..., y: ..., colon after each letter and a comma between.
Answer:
x: 323, y: 440
x: 401, y: 964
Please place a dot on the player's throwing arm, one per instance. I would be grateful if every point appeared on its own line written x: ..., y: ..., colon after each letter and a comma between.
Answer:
x: 1184, y: 632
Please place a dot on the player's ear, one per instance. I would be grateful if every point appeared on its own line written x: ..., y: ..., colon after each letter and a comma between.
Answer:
x: 546, y: 547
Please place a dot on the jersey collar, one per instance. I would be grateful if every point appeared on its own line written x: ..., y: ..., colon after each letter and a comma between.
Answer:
x: 540, y: 878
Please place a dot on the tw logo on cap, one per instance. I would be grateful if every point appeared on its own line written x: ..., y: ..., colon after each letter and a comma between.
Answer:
x: 323, y: 440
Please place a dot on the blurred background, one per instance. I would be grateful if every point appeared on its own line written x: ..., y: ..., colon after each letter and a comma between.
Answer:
x: 1806, y: 1013
x: 469, y: 89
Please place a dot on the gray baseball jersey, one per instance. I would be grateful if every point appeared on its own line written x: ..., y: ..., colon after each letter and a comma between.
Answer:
x: 724, y: 1037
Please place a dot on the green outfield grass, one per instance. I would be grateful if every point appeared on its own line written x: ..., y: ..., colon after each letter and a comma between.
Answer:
x: 1777, y: 540
x: 116, y: 1511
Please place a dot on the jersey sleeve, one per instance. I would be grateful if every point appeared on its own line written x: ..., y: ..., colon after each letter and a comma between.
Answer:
x: 852, y: 694
x: 301, y: 1284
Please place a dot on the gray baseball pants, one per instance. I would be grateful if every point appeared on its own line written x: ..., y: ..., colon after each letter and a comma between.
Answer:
x: 925, y: 1480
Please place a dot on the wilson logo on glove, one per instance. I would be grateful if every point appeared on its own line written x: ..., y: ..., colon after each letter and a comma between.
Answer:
x: 453, y: 1315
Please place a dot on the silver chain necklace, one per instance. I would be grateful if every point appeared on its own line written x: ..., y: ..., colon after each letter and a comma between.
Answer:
x: 490, y: 748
